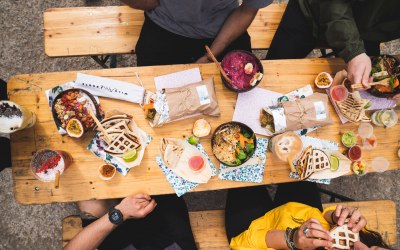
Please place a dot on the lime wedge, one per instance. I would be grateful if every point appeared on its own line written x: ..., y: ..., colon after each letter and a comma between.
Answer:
x: 130, y: 155
x: 193, y: 140
x: 334, y: 163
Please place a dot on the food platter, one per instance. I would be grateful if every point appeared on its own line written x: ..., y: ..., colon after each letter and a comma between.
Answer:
x: 74, y: 104
x: 385, y: 67
x: 233, y: 143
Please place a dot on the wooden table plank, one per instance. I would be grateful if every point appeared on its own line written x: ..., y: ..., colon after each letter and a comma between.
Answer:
x: 81, y: 181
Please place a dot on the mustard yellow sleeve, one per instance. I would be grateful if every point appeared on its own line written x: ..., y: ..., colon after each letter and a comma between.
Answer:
x: 254, y: 236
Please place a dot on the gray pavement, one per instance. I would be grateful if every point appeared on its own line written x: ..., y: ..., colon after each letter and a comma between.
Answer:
x: 21, y: 51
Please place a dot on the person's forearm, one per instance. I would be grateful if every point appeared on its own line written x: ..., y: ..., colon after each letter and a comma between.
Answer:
x: 235, y: 25
x: 142, y: 4
x: 276, y: 239
x: 91, y: 236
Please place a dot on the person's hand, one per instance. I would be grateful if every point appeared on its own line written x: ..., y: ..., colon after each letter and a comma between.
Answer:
x: 396, y: 97
x: 359, y: 69
x: 358, y: 245
x: 136, y: 206
x: 356, y: 222
x: 203, y: 59
x: 317, y: 235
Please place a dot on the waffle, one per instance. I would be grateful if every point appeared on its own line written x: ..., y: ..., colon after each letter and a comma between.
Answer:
x: 123, y: 143
x: 111, y: 121
x: 320, y: 160
x: 343, y: 237
x: 311, y: 161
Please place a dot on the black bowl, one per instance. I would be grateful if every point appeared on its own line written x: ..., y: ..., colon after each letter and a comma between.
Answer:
x: 228, y: 85
x: 91, y: 97
x: 373, y: 91
x: 243, y: 127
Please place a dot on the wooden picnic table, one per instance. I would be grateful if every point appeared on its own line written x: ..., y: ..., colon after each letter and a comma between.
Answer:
x: 81, y: 181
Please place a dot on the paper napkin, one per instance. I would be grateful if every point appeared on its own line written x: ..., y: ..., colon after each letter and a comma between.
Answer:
x: 106, y: 87
x: 180, y: 185
x: 250, y: 171
x: 319, y: 144
x: 178, y: 79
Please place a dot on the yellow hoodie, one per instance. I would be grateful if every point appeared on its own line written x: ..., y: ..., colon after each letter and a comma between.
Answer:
x: 291, y: 215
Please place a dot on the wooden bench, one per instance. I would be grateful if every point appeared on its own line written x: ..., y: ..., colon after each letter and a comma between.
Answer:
x: 111, y: 30
x: 209, y: 228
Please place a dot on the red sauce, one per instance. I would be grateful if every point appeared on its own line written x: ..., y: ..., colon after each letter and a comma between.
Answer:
x: 355, y: 153
x: 196, y: 163
x: 339, y: 93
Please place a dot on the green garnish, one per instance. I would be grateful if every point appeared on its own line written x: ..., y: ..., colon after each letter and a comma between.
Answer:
x: 246, y: 134
x: 242, y: 155
x: 391, y: 82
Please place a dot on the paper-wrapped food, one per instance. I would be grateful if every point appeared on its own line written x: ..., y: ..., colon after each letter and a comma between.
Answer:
x: 171, y: 104
x: 311, y: 111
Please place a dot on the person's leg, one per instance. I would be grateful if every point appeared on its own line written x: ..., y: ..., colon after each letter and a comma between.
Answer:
x: 293, y: 38
x: 372, y: 48
x: 243, y: 205
x: 169, y: 223
x: 303, y: 192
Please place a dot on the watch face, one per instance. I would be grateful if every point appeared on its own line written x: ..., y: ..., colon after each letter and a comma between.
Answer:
x: 115, y: 216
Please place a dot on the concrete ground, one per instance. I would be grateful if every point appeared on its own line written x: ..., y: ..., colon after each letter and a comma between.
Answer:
x: 21, y: 51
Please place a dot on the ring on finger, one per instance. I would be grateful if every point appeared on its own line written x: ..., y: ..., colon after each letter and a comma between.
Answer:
x: 305, y: 231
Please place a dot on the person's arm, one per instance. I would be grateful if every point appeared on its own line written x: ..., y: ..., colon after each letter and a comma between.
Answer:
x: 335, y: 18
x: 235, y: 25
x: 317, y: 236
x: 142, y: 4
x: 92, y: 236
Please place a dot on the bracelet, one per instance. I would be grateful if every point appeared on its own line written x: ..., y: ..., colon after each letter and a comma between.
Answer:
x: 289, y: 238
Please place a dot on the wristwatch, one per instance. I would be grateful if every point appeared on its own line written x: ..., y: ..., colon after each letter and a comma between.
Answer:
x: 115, y: 216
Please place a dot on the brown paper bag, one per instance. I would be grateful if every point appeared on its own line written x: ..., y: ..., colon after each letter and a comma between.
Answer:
x: 192, y: 99
x: 308, y: 112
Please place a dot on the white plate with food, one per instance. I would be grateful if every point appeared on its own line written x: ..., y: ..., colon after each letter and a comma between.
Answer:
x: 322, y: 164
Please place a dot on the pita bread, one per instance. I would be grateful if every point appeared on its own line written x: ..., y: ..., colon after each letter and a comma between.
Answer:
x: 353, y: 108
x: 302, y: 161
x: 176, y: 154
x: 343, y: 237
x: 171, y: 152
